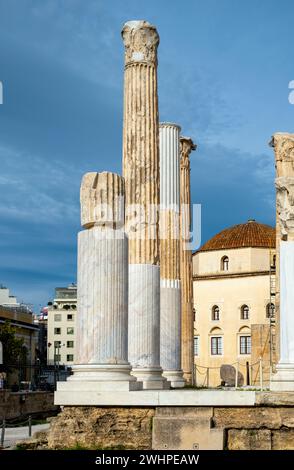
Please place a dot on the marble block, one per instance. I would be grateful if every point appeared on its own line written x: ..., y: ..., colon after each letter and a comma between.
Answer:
x: 144, y: 324
x: 170, y: 332
x: 283, y: 379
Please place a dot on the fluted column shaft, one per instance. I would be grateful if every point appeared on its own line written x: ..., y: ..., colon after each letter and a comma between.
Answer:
x: 102, y: 329
x: 186, y: 260
x: 170, y: 289
x: 141, y: 172
x: 283, y: 145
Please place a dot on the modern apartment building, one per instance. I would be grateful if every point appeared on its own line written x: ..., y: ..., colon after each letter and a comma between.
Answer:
x: 62, y: 320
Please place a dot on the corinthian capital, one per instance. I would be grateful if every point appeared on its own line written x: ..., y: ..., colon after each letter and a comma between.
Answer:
x: 141, y: 40
x: 186, y: 145
x: 283, y: 144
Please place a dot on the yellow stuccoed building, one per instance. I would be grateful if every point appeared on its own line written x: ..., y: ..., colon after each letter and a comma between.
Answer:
x: 233, y: 290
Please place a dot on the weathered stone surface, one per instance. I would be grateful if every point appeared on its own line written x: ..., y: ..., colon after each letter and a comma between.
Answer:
x: 253, y: 439
x: 170, y: 427
x: 287, y: 417
x: 141, y: 40
x: 39, y: 441
x: 169, y: 201
x: 12, y: 407
x: 228, y: 375
x: 169, y: 245
x: 142, y: 178
x: 185, y: 428
x: 186, y: 146
x: 92, y: 427
x: 275, y: 398
x: 255, y: 417
x: 202, y: 412
x: 102, y: 328
x: 283, y: 439
x: 170, y: 289
x: 141, y: 141
x: 102, y: 199
x: 283, y: 144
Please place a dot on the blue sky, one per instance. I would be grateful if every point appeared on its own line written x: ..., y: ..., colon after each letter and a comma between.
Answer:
x: 224, y: 70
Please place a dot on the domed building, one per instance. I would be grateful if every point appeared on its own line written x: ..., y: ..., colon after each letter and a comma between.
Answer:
x: 233, y: 290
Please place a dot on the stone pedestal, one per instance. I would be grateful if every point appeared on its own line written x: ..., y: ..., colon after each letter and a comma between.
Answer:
x: 187, y: 146
x: 283, y: 379
x: 170, y: 287
x: 102, y: 310
x: 141, y: 172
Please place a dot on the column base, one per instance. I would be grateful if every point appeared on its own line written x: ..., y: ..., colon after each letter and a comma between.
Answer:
x: 188, y: 377
x: 151, y: 378
x: 100, y: 377
x: 175, y: 378
x: 283, y: 379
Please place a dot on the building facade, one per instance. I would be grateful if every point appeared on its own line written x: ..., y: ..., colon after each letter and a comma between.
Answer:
x: 20, y: 317
x: 6, y: 299
x: 233, y: 275
x: 62, y: 320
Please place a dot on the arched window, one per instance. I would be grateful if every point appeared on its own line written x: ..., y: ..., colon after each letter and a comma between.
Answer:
x: 244, y: 312
x: 216, y: 342
x: 225, y: 263
x: 194, y: 313
x: 274, y: 261
x: 270, y: 310
x: 215, y: 313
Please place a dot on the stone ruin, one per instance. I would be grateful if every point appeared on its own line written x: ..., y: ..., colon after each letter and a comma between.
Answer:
x: 135, y: 322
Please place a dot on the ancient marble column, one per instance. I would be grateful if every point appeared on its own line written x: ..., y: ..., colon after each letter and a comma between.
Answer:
x: 102, y: 309
x: 186, y: 146
x: 141, y: 172
x: 170, y: 284
x: 283, y: 145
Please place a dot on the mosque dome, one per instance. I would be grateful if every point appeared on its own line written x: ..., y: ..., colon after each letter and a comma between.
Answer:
x: 252, y: 234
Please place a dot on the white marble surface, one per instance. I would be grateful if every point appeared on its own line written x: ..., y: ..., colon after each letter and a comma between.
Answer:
x: 157, y: 398
x: 287, y: 302
x: 283, y: 379
x: 102, y: 297
x: 169, y: 149
x: 170, y: 328
x: 144, y: 309
x: 144, y: 323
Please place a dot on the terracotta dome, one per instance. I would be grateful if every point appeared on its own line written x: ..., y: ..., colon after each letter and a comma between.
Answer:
x: 251, y: 234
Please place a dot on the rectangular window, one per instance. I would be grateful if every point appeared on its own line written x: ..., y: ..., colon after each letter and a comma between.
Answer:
x: 245, y: 344
x: 70, y: 357
x: 57, y: 331
x: 216, y: 345
x: 69, y: 344
x: 57, y: 357
x: 196, y: 345
x: 70, y: 330
x: 70, y: 317
x: 57, y: 317
x: 57, y: 344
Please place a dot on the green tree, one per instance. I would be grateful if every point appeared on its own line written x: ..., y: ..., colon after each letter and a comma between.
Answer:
x: 12, y: 346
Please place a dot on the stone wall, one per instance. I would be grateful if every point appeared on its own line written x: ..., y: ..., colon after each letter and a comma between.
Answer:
x: 267, y: 425
x: 20, y: 404
x: 106, y: 428
x: 256, y: 428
